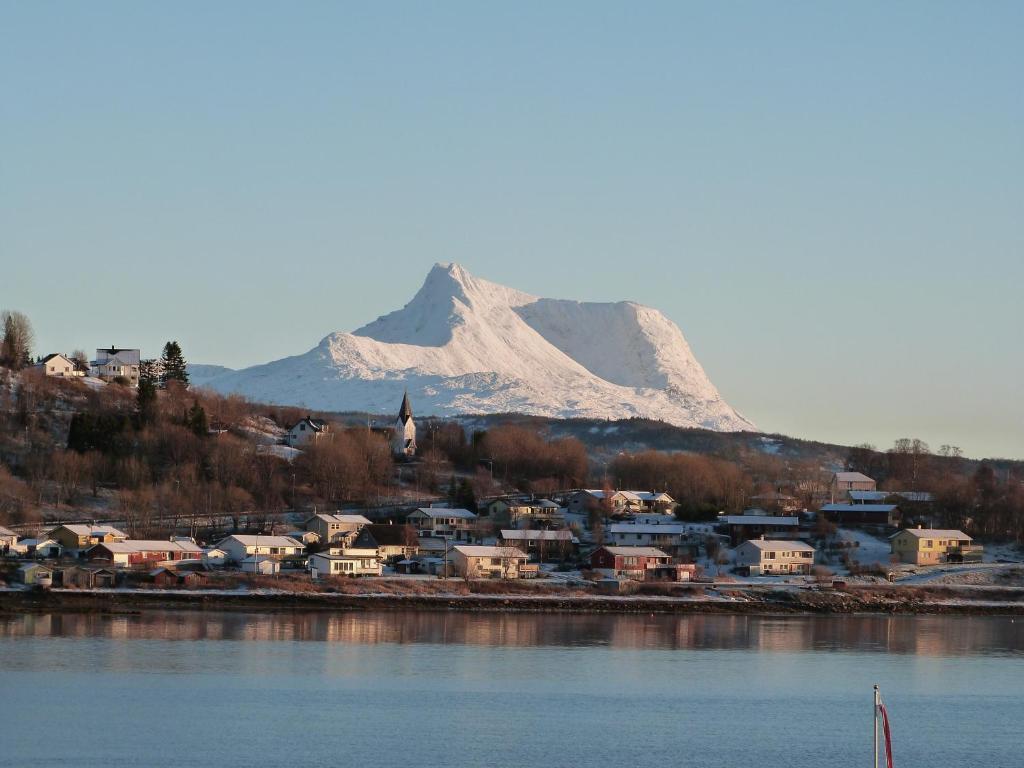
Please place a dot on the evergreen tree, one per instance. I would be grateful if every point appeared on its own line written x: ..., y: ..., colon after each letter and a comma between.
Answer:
x: 196, y: 420
x: 465, y: 498
x: 145, y: 398
x: 172, y: 365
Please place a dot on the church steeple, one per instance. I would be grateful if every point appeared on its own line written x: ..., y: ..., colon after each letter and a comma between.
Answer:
x: 405, y: 412
x: 403, y: 442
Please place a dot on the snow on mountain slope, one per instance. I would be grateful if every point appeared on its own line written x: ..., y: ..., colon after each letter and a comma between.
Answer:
x: 466, y: 345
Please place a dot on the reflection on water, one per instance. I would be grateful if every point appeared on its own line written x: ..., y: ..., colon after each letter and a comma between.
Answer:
x: 462, y: 690
x: 918, y: 635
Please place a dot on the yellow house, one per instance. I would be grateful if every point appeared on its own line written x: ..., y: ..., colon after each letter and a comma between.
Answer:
x: 929, y: 546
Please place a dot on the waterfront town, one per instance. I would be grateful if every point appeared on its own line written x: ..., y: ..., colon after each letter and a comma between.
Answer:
x: 605, y: 540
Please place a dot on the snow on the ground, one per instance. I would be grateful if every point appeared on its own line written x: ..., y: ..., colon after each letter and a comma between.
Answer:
x: 867, y: 551
x: 281, y: 451
x: 466, y: 345
x: 261, y: 429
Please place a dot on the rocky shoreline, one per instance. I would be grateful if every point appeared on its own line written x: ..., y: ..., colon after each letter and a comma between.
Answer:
x: 736, y: 601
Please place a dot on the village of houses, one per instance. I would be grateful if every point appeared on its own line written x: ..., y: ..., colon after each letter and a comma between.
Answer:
x: 641, y: 543
x: 858, y: 531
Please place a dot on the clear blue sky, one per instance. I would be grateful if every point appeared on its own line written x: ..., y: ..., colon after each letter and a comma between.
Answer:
x: 827, y: 197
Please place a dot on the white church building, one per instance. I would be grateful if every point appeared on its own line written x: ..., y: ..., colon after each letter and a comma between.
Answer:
x: 403, y: 441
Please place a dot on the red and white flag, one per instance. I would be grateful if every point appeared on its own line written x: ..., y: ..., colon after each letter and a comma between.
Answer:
x: 885, y: 729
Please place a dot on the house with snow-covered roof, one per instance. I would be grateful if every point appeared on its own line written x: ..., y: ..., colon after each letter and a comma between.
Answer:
x: 638, y: 564
x: 930, y: 546
x: 621, y: 502
x: 238, y: 547
x: 349, y: 563
x: 332, y: 527
x: 305, y: 431
x: 75, y: 538
x: 139, y: 552
x: 761, y: 557
x: 844, y: 482
x: 478, y: 562
x: 444, y: 523
x: 117, y: 363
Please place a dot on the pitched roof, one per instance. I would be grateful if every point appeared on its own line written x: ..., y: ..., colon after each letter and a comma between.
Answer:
x: 858, y: 507
x: 86, y: 529
x: 130, y: 546
x: 248, y: 540
x: 387, y: 535
x: 445, y: 512
x: 758, y: 520
x: 934, y: 533
x: 778, y: 545
x: 317, y: 425
x: 405, y: 412
x: 328, y: 556
x: 853, y: 477
x: 6, y: 532
x: 50, y: 357
x: 339, y: 518
x: 869, y: 495
x: 562, y: 535
x: 636, y: 551
x: 482, y: 551
x: 667, y: 529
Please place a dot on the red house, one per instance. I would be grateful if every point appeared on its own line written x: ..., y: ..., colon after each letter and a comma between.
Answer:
x: 136, y: 552
x: 639, y: 564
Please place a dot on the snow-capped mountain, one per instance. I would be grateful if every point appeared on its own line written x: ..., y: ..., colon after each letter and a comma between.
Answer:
x: 465, y: 345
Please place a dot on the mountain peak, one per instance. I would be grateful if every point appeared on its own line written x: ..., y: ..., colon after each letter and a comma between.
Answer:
x: 466, y: 345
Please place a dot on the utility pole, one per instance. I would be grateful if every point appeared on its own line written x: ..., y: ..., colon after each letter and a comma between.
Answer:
x: 874, y: 724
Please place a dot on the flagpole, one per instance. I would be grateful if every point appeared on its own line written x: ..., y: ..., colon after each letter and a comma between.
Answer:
x: 874, y: 721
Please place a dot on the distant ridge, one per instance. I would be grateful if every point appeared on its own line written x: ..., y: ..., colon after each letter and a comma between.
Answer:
x: 465, y: 345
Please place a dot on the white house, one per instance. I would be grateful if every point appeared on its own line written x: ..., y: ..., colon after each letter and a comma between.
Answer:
x: 443, y: 523
x: 215, y: 557
x: 476, y: 562
x: 60, y: 366
x: 240, y: 546
x: 622, y: 502
x: 264, y: 566
x: 305, y: 431
x: 351, y: 563
x: 331, y: 528
x: 403, y: 441
x: 40, y: 548
x: 114, y: 362
x: 667, y: 535
x: 772, y: 557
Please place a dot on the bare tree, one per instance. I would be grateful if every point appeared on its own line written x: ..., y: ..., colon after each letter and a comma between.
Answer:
x: 16, y: 345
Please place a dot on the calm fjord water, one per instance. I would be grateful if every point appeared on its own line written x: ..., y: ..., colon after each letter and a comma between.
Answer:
x: 447, y: 690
